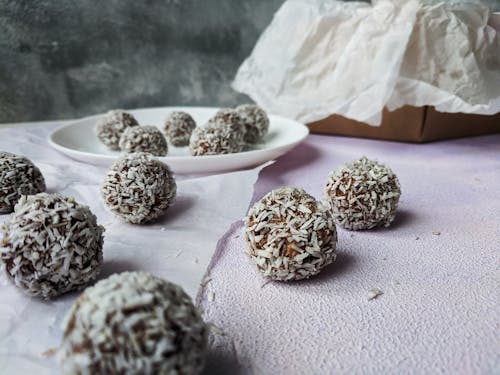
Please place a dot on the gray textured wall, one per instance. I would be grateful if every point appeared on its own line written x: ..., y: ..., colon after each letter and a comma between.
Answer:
x: 68, y: 58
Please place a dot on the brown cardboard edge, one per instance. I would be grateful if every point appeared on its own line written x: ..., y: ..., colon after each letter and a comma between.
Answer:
x: 441, y: 125
x: 390, y: 129
x: 421, y: 124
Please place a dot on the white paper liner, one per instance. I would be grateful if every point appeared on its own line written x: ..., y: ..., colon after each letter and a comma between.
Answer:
x: 323, y: 57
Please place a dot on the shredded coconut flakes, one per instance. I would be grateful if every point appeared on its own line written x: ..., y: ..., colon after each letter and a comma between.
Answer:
x: 363, y: 194
x: 291, y: 236
x: 111, y: 126
x: 134, y: 323
x: 51, y: 245
x: 255, y: 121
x: 139, y: 188
x: 144, y: 139
x: 18, y: 176
x: 178, y: 128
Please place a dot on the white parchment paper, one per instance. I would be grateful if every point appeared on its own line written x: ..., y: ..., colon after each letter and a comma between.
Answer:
x: 323, y: 57
x: 178, y: 247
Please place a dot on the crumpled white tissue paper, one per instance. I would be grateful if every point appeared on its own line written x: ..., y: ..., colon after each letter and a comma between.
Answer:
x: 324, y: 57
x: 178, y: 247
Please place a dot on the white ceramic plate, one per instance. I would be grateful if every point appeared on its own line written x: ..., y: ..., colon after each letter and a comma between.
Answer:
x: 78, y: 141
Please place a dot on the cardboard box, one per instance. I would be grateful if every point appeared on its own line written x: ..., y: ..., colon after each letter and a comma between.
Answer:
x: 412, y: 124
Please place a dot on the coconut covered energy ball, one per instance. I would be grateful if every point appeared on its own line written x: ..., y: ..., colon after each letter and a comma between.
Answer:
x: 291, y: 236
x: 134, y: 323
x: 51, y: 245
x: 146, y: 138
x: 178, y: 128
x: 18, y: 176
x: 139, y: 188
x: 363, y: 194
x: 111, y: 126
x: 255, y: 122
x: 215, y: 140
x: 227, y: 118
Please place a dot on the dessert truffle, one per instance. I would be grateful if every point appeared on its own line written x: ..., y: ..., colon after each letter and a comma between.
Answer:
x: 229, y: 118
x: 363, y: 194
x: 214, y: 140
x: 52, y: 245
x: 133, y: 323
x: 146, y: 138
x: 111, y: 126
x: 18, y: 176
x: 139, y: 188
x: 178, y: 128
x: 255, y: 122
x: 291, y: 236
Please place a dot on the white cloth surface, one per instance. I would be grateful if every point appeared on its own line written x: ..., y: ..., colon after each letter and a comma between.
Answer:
x: 178, y: 247
x: 323, y: 57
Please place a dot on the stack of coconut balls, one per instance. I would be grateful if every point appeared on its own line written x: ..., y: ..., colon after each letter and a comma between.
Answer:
x: 228, y: 131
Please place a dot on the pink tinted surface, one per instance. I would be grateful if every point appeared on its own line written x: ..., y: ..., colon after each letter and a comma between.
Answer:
x: 439, y: 312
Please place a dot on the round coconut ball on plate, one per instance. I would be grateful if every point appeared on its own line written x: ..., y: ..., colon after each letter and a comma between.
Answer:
x: 146, y: 138
x: 52, y: 245
x: 227, y: 118
x: 290, y: 235
x: 363, y: 194
x: 139, y: 188
x: 255, y: 122
x: 134, y: 323
x: 111, y: 126
x: 215, y: 140
x: 18, y: 176
x: 178, y: 128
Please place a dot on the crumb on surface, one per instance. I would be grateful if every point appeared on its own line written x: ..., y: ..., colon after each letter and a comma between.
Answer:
x: 374, y: 293
x: 49, y: 352
x: 215, y: 329
x: 205, y: 282
x: 265, y: 283
x: 210, y: 296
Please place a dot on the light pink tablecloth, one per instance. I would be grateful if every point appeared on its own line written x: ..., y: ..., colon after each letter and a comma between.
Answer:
x: 439, y: 313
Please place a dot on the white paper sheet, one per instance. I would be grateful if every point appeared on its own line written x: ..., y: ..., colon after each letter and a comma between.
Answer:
x: 323, y: 57
x: 178, y: 247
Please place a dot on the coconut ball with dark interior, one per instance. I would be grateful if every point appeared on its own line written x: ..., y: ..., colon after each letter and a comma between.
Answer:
x: 111, y: 126
x: 227, y: 117
x: 290, y: 235
x: 52, y: 245
x: 134, y: 323
x: 255, y: 122
x: 178, y: 128
x: 139, y: 188
x: 215, y: 140
x: 146, y: 138
x: 363, y: 194
x: 18, y: 176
